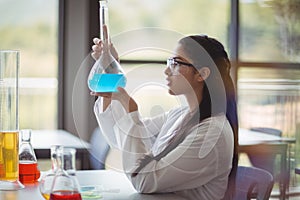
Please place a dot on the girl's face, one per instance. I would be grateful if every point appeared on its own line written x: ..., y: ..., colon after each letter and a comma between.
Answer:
x: 182, y: 77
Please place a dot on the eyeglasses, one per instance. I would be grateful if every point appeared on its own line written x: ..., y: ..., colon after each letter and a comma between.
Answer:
x: 174, y: 64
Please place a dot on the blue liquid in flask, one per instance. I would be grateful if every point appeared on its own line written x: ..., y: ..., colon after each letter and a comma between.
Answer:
x: 107, y: 82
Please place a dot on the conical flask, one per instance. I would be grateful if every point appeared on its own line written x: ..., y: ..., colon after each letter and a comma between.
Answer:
x: 64, y: 186
x: 28, y: 167
x: 47, y: 179
x: 106, y: 74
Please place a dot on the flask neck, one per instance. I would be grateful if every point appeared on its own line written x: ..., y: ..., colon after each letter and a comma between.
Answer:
x: 26, y: 152
x: 60, y: 158
x: 26, y: 136
x: 103, y: 19
x: 54, y: 167
x: 57, y: 159
x: 54, y: 164
x: 54, y: 159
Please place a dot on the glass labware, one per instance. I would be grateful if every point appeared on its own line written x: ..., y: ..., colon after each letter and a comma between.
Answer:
x: 70, y: 160
x: 9, y: 120
x: 28, y: 166
x: 106, y: 74
x: 64, y: 186
x: 70, y: 163
x: 48, y: 177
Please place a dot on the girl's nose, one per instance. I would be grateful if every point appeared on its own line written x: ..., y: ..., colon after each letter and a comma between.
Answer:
x: 167, y: 71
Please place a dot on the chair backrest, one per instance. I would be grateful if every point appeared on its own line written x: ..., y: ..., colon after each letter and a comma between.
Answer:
x: 297, y: 170
x: 99, y: 150
x: 248, y: 178
x: 271, y: 131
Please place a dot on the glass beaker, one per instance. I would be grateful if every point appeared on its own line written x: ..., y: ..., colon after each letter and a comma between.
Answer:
x: 64, y: 186
x: 28, y: 167
x: 70, y: 160
x: 9, y: 120
x: 106, y: 74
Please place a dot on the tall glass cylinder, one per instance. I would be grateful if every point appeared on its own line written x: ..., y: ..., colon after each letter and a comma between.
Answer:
x: 9, y: 120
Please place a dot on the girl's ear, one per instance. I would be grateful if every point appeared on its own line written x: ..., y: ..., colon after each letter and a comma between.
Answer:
x: 204, y: 73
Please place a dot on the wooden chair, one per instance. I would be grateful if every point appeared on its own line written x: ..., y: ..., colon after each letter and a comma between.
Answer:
x: 250, y: 178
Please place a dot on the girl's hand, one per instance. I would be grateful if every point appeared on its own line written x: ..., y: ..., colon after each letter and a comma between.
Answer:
x: 122, y: 96
x: 100, y: 45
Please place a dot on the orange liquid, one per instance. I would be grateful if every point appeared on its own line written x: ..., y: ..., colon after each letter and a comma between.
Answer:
x: 28, y: 172
x: 9, y: 156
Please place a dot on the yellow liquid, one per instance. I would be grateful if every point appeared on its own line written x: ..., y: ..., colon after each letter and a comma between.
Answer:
x: 9, y: 156
x: 46, y: 196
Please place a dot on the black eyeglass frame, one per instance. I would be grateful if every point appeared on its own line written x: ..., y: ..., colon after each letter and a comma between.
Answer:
x: 174, y: 62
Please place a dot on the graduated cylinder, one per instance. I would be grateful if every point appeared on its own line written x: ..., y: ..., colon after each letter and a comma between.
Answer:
x: 9, y: 120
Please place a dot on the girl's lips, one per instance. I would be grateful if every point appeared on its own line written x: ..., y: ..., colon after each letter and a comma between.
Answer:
x: 168, y: 82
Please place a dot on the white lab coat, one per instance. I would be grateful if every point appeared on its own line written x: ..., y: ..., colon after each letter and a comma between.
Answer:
x: 197, y: 168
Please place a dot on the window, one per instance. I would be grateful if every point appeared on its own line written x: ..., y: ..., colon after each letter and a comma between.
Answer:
x: 270, y: 31
x: 268, y: 68
x: 268, y: 71
x: 145, y: 34
x: 31, y: 27
x: 269, y: 97
x: 183, y: 17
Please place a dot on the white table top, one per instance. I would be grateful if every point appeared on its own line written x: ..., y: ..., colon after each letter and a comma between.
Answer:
x: 115, y: 186
x: 44, y: 139
x: 248, y: 137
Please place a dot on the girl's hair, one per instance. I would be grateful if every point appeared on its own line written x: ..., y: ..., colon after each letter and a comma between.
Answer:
x: 218, y: 92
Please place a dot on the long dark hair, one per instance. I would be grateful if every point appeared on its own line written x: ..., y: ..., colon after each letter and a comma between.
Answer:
x: 218, y: 92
